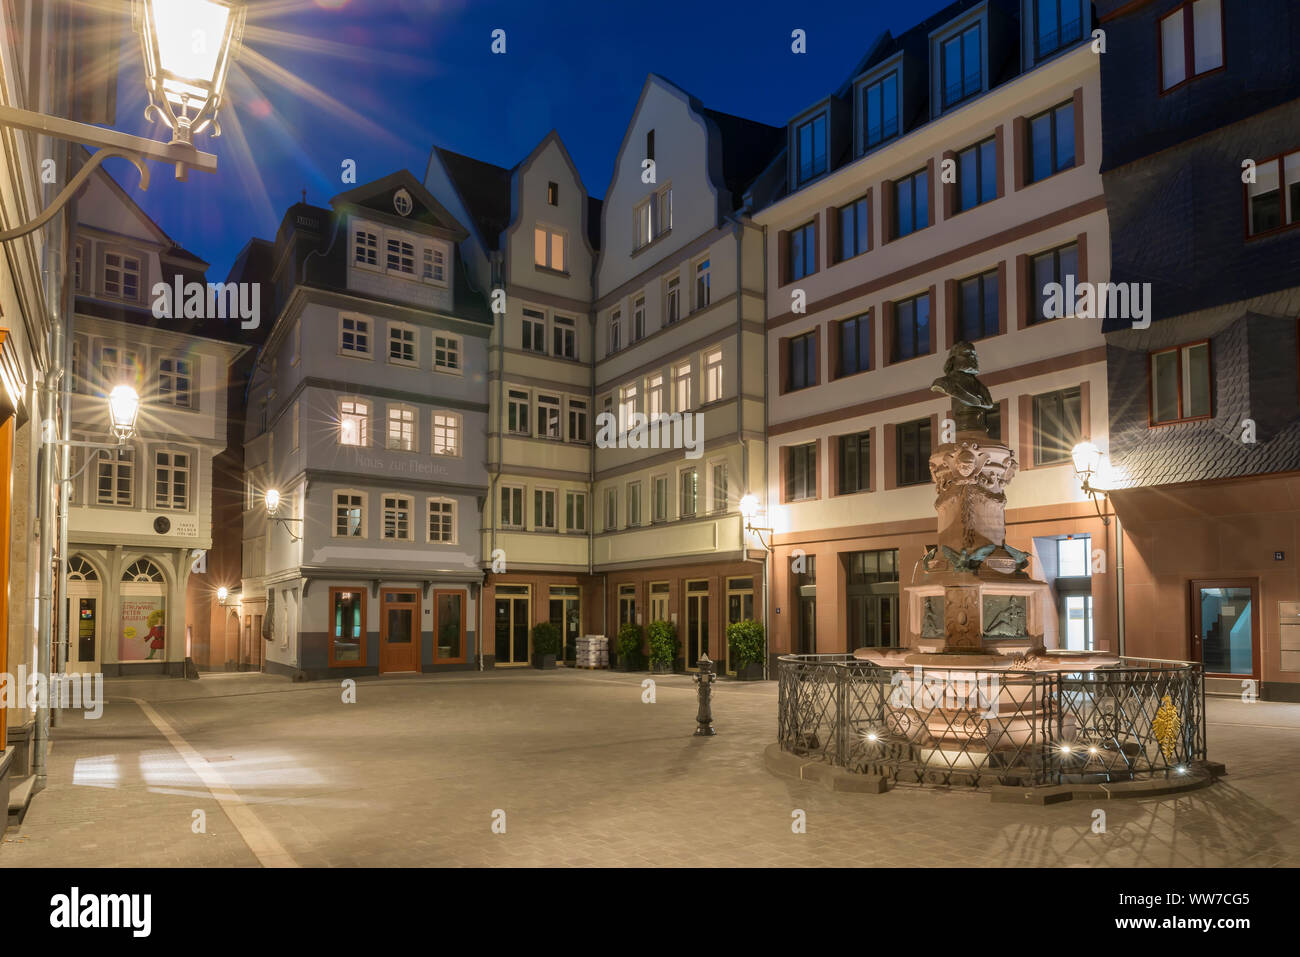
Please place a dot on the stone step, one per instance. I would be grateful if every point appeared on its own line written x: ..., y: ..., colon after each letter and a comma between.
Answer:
x: 20, y: 796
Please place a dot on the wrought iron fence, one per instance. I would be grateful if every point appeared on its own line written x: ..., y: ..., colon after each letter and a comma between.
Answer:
x: 976, y: 727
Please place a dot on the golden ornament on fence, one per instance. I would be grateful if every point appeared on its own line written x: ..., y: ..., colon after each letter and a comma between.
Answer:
x: 1167, y: 724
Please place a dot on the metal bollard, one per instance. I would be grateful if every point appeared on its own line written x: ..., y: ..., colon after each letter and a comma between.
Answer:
x: 704, y: 684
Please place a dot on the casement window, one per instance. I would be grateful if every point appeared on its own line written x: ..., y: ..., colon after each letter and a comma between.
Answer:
x: 401, y: 428
x: 1180, y: 383
x: 349, y: 515
x: 121, y: 276
x: 911, y: 203
x: 854, y: 463
x: 1191, y: 42
x: 627, y: 405
x: 688, y: 492
x: 401, y: 257
x: 446, y: 433
x: 548, y: 248
x: 544, y: 515
x: 611, y: 509
x: 435, y: 265
x: 176, y: 382
x: 803, y: 252
x: 1273, y: 199
x: 911, y: 328
x: 626, y: 605
x: 978, y: 301
x: 652, y: 217
x: 1058, y: 418
x: 575, y: 511
x: 348, y: 627
x: 354, y: 423
x: 402, y: 348
x: 633, y: 504
x: 810, y: 143
x: 654, y: 395
x: 703, y: 284
x: 659, y: 494
x: 1051, y: 142
x: 615, y: 331
x: 354, y: 336
x: 446, y: 353
x: 171, y: 480
x: 115, y: 478
x: 512, y: 506
x: 880, y: 111
x: 682, y: 388
x: 961, y: 66
x: 713, y: 376
x: 442, y: 521
x: 548, y: 417
x: 672, y: 300
x: 855, y: 229
x: 638, y: 318
x: 294, y: 446
x: 366, y: 248
x: 565, y: 334
x: 912, y: 440
x: 855, y: 346
x: 118, y: 366
x: 534, y: 331
x: 1051, y: 267
x: 577, y: 420
x: 518, y: 404
x: 977, y: 174
x: 1057, y: 24
x: 801, y: 472
x: 397, y: 518
x: 801, y: 362
x: 718, y: 486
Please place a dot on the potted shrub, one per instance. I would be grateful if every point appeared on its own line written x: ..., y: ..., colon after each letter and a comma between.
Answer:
x: 745, y: 639
x: 663, y: 646
x: 630, y: 638
x: 546, y: 643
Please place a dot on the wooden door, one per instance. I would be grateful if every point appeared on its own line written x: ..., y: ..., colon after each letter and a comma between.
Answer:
x: 399, y: 631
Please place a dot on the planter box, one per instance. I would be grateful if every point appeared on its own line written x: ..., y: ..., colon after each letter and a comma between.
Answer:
x: 750, y: 672
x: 661, y: 667
x: 544, y: 662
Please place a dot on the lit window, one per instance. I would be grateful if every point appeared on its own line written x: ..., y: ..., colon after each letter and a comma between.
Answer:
x: 446, y: 433
x: 627, y: 405
x: 548, y: 248
x: 713, y: 376
x: 682, y: 388
x: 401, y: 429
x: 654, y: 395
x: 349, y: 515
x: 119, y: 366
x: 653, y: 217
x: 354, y: 423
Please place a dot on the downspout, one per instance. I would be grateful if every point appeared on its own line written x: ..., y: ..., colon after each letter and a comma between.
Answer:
x: 65, y: 490
x: 499, y: 264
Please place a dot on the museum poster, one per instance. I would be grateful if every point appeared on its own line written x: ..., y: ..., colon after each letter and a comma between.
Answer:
x: 142, y: 635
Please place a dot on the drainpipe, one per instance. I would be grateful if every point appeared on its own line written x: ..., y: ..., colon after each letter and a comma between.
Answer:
x: 767, y: 552
x: 1120, y: 640
x: 65, y: 452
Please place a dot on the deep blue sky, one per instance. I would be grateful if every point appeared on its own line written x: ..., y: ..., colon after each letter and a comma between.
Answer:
x: 396, y: 76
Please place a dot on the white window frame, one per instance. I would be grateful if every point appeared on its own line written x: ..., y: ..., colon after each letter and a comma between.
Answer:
x: 611, y: 509
x: 658, y: 517
x: 635, y: 502
x: 564, y: 329
x: 362, y: 506
x: 434, y: 506
x: 402, y: 329
x: 714, y: 509
x: 554, y: 404
x: 368, y: 332
x: 638, y: 318
x: 451, y: 427
x: 702, y: 269
x: 115, y: 461
x: 672, y: 300
x: 370, y: 245
x: 615, y: 331
x: 654, y: 394
x: 408, y: 420
x: 523, y: 505
x: 681, y: 499
x: 577, y: 408
x: 168, y: 502
x: 123, y: 257
x: 519, y: 401
x: 433, y: 265
x: 682, y: 377
x: 452, y: 346
x: 533, y: 320
x: 79, y: 267
x: 361, y: 409
x: 190, y: 392
x: 397, y: 499
x: 571, y: 498
x: 405, y: 249
x: 711, y: 363
x: 539, y: 514
x: 126, y: 366
x: 629, y: 401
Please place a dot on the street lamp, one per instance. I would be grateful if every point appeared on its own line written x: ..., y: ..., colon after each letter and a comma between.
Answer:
x: 1090, y: 468
x: 222, y: 593
x: 749, y: 508
x: 272, y: 499
x: 123, y: 408
x: 188, y: 46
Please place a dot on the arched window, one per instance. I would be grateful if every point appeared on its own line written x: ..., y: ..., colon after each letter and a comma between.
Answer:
x: 143, y: 570
x: 80, y: 570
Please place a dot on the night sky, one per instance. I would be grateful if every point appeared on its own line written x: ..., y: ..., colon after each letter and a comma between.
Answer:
x: 380, y: 81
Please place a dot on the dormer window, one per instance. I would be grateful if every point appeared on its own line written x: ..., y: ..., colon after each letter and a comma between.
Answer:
x: 810, y: 141
x: 121, y: 276
x: 435, y: 265
x: 401, y: 256
x: 1057, y: 24
x: 367, y: 248
x: 961, y: 67
x: 880, y: 111
x: 1191, y: 42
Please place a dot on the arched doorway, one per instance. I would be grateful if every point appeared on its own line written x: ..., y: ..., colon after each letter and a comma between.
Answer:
x: 142, y: 614
x: 85, y: 608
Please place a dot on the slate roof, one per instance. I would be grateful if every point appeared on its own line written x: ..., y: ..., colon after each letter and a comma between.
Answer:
x: 484, y: 189
x: 747, y: 148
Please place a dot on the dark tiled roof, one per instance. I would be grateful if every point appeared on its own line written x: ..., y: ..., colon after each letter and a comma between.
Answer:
x: 485, y: 191
x: 747, y: 147
x: 225, y: 330
x: 594, y: 207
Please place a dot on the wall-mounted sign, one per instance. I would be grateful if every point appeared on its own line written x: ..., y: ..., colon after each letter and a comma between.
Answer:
x: 162, y: 525
x: 1279, y: 556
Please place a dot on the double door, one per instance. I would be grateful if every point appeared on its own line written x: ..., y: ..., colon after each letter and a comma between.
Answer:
x: 513, y: 617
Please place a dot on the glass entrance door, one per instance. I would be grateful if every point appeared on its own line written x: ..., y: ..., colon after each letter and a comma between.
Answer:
x: 566, y: 615
x: 399, y: 639
x: 512, y: 618
x: 697, y: 623
x: 1225, y: 627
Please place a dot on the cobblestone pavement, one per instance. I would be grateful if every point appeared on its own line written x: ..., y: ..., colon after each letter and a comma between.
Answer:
x: 587, y: 774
